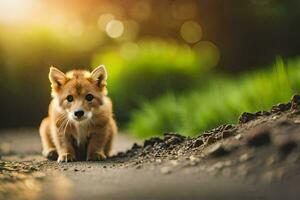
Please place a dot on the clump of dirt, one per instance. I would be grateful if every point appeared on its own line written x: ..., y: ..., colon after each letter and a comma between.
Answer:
x: 263, y: 146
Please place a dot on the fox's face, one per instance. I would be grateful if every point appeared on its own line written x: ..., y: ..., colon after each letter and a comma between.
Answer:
x: 79, y: 94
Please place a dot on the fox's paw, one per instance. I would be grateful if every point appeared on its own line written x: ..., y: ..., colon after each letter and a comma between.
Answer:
x: 67, y: 157
x: 51, y: 154
x: 96, y: 156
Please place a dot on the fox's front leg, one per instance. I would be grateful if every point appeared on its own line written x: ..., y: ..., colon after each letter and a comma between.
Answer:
x: 96, y: 146
x: 66, y: 152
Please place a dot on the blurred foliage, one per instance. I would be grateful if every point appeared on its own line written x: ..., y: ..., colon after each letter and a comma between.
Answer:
x: 143, y: 71
x: 222, y: 101
x: 191, y: 36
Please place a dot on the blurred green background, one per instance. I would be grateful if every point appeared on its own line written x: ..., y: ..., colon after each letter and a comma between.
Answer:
x: 174, y: 65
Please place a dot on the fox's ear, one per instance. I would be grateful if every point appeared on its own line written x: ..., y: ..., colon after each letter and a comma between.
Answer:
x: 57, y: 77
x: 100, y: 75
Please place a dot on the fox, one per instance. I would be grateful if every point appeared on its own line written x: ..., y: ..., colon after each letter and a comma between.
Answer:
x: 80, y: 124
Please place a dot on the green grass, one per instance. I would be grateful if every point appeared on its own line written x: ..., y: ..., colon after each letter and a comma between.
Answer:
x: 222, y: 101
x: 145, y: 70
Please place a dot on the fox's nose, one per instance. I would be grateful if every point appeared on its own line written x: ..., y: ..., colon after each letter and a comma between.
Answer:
x: 79, y: 113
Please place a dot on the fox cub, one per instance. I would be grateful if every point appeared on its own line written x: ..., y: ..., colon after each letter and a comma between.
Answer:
x: 80, y: 123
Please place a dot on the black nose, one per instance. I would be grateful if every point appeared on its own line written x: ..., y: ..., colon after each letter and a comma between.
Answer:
x: 79, y: 113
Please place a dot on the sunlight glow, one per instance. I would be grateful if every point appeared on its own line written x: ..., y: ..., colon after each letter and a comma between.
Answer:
x: 16, y: 10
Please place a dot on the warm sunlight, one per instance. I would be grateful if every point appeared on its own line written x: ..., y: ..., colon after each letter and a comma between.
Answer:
x: 149, y: 99
x: 17, y: 10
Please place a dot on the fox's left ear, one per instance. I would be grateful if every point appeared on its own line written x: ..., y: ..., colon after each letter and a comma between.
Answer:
x: 57, y: 77
x: 100, y: 75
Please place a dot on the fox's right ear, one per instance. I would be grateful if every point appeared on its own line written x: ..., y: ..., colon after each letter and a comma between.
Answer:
x: 57, y: 77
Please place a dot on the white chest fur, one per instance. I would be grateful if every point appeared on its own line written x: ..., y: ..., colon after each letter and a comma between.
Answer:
x: 82, y: 133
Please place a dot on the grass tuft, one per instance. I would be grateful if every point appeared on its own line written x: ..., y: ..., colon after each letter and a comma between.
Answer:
x: 222, y: 101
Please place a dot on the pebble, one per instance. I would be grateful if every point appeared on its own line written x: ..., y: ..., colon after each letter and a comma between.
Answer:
x: 226, y: 134
x: 246, y: 117
x: 165, y: 170
x: 258, y: 137
x: 295, y: 101
x: 138, y: 166
x: 217, y: 150
x: 297, y: 121
x: 245, y: 157
x: 210, y: 140
x: 238, y: 136
x: 198, y: 142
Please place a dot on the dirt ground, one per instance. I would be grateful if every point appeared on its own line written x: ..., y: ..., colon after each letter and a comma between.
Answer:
x: 258, y: 158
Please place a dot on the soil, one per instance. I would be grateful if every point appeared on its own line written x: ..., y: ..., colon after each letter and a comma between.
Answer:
x: 258, y: 158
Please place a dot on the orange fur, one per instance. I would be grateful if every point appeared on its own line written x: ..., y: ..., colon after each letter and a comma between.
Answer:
x: 67, y: 136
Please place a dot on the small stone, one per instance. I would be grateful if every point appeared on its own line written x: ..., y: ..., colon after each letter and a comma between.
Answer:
x: 198, y: 142
x: 245, y: 157
x: 246, y: 117
x: 218, y: 165
x: 297, y: 121
x: 266, y: 113
x: 165, y: 170
x: 226, y: 134
x: 138, y: 166
x: 217, y: 150
x: 136, y: 146
x: 258, y: 137
x: 210, y: 140
x: 281, y: 107
x: 152, y: 141
x: 295, y: 102
x: 238, y: 136
x: 76, y: 170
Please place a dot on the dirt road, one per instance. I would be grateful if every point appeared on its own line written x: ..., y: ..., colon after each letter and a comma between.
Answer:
x: 256, y: 159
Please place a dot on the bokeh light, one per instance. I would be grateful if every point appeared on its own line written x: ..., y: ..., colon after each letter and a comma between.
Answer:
x: 191, y: 31
x: 208, y: 52
x: 114, y: 28
x: 104, y: 19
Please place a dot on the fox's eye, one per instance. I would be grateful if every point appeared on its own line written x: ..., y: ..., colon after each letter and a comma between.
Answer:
x: 70, y: 98
x: 89, y: 97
